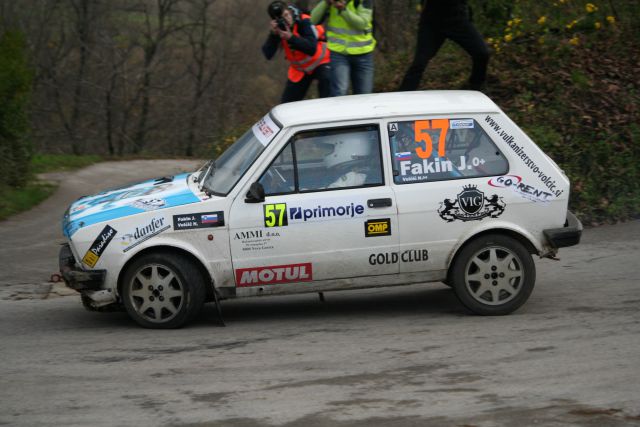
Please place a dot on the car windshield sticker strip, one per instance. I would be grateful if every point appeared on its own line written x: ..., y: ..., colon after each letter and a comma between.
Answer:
x: 265, y: 130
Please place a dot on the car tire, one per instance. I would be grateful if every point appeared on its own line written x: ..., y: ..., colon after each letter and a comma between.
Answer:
x: 493, y: 275
x: 163, y: 291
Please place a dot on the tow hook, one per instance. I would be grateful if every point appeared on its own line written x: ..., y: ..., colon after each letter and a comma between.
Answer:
x: 55, y: 278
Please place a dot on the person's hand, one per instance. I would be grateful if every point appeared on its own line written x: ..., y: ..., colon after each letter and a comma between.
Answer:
x: 285, y: 34
x: 274, y: 27
x: 339, y: 4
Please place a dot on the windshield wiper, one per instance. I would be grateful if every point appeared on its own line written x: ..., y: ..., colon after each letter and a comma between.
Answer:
x: 206, y: 171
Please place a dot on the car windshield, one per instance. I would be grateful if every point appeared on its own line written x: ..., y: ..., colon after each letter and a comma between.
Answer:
x: 222, y: 174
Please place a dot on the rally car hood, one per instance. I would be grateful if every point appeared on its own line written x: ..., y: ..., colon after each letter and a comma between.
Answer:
x: 146, y: 196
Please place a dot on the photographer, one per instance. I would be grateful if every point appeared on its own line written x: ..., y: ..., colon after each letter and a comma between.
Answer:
x: 350, y: 39
x: 308, y: 56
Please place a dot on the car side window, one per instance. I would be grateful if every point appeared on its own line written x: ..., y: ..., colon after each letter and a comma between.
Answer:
x: 326, y: 159
x: 280, y: 178
x: 443, y: 149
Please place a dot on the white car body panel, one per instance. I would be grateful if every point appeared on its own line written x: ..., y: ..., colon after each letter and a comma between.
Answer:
x: 332, y: 252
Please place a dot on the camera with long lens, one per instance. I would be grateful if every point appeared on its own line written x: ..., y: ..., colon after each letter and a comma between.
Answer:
x: 275, y: 11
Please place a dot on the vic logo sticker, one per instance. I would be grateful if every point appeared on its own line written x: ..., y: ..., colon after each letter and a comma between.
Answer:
x: 275, y: 215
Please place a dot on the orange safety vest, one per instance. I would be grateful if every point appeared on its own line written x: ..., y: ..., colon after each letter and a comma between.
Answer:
x: 300, y: 63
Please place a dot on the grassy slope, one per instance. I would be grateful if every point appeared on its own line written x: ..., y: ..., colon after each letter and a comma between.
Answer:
x: 579, y: 100
x: 15, y: 200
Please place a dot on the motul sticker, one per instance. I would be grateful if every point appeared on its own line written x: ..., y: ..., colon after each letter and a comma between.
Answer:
x: 273, y: 274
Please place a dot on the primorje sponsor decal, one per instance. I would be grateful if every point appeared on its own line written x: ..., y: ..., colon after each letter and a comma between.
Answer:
x: 281, y: 215
x: 274, y: 274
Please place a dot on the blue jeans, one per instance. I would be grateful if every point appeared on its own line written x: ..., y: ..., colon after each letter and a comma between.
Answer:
x: 358, y: 67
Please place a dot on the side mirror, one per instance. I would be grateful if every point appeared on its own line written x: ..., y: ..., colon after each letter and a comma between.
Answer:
x: 255, y: 193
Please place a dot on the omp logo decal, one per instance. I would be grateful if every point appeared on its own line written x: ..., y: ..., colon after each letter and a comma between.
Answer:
x: 98, y: 246
x: 377, y: 227
x: 274, y: 274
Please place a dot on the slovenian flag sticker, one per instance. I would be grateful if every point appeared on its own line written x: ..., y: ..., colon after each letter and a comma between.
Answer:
x: 406, y: 155
x: 209, y: 219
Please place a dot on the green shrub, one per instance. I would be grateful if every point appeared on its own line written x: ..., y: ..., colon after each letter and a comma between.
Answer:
x: 15, y: 91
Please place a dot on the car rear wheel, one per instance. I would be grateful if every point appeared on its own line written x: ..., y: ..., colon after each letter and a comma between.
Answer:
x: 163, y: 291
x: 493, y: 275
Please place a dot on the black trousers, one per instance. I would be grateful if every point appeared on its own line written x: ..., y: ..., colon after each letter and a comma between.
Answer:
x: 431, y: 36
x: 296, y: 91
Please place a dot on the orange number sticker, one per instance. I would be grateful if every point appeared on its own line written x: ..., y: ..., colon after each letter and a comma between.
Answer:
x: 420, y: 135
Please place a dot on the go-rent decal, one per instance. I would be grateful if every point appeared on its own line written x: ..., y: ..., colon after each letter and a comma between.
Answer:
x: 515, y: 183
x: 198, y: 220
x: 471, y: 205
x: 274, y: 274
x: 143, y: 233
x: 98, y: 246
x: 265, y: 130
x: 545, y: 178
x: 155, y: 194
x: 281, y: 215
x: 377, y: 227
x: 410, y: 255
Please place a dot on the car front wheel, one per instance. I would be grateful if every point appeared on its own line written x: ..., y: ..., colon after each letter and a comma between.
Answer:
x: 163, y: 291
x: 493, y: 275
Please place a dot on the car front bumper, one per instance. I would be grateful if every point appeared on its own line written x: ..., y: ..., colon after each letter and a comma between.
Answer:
x: 569, y: 235
x: 76, y: 278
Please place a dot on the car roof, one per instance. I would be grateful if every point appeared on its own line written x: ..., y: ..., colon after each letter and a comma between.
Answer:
x: 381, y: 105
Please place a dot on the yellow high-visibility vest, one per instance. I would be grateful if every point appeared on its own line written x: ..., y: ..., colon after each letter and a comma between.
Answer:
x: 342, y: 38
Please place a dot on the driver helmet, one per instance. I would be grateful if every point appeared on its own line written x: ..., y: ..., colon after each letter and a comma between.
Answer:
x: 347, y: 150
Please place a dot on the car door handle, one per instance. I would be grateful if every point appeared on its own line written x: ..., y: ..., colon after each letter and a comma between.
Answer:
x: 379, y: 203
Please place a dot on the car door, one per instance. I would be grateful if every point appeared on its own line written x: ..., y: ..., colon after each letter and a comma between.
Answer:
x: 328, y: 212
x: 440, y: 165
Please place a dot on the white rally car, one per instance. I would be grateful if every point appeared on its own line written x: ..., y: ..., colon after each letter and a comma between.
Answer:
x: 331, y: 194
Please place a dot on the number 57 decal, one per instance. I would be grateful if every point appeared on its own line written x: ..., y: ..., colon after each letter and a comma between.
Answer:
x: 421, y: 136
x: 275, y: 215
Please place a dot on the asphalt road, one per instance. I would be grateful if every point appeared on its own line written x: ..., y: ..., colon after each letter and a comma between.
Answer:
x: 408, y: 356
